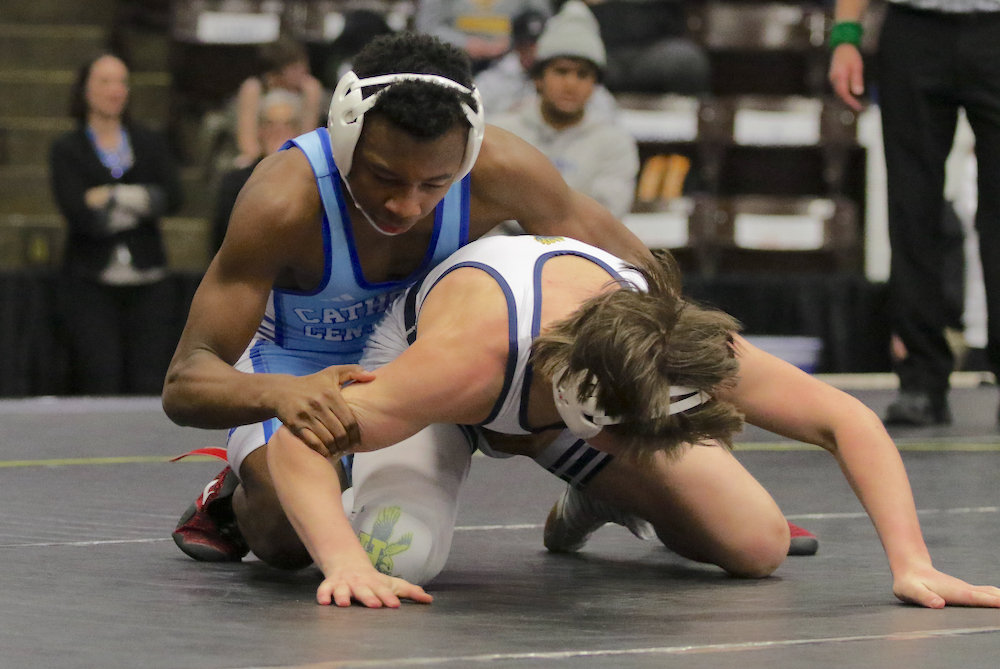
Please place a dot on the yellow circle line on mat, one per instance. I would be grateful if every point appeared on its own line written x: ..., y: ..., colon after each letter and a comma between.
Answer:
x: 116, y: 460
x: 748, y: 446
x: 903, y: 446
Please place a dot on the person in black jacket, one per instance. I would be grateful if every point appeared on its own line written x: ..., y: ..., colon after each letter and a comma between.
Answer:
x: 113, y: 179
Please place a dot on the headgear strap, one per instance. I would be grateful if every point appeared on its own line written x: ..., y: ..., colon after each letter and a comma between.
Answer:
x: 348, y: 107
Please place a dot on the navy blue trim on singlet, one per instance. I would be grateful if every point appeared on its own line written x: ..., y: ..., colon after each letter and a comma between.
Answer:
x: 582, y: 454
x: 536, y: 322
x: 508, y: 376
x: 463, y: 233
x: 279, y: 331
x: 260, y: 367
x: 471, y: 435
x: 410, y: 311
x: 277, y: 293
x: 567, y: 454
x: 601, y: 464
x: 582, y: 462
x: 352, y: 248
x: 324, y: 140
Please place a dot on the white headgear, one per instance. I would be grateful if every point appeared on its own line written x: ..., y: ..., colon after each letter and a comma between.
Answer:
x: 348, y: 107
x: 586, y: 419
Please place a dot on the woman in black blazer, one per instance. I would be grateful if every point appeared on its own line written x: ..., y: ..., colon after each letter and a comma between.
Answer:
x: 113, y: 179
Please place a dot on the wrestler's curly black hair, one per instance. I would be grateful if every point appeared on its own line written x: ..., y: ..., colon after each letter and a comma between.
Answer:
x: 422, y: 109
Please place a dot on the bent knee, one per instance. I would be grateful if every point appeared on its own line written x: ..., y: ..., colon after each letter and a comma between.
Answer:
x: 403, y: 542
x: 759, y: 553
x: 274, y: 541
x: 290, y: 558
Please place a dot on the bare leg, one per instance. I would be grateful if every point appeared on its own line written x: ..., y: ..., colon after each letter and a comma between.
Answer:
x: 704, y: 506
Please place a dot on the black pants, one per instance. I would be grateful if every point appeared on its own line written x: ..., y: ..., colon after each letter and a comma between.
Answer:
x: 121, y: 338
x: 930, y: 65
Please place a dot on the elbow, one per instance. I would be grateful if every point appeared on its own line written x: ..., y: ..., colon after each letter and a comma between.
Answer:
x: 176, y: 403
x: 856, y: 418
x: 175, y: 409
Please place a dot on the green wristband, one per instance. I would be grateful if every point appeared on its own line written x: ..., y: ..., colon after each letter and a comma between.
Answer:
x: 845, y: 32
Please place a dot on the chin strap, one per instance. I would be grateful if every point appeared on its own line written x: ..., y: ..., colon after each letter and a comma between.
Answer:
x: 586, y: 419
x: 363, y: 212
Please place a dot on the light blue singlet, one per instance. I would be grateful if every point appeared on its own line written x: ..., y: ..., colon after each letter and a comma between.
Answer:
x: 330, y: 324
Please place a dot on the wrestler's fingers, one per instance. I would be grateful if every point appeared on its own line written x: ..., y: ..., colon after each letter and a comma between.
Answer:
x: 310, y: 439
x: 407, y: 590
x: 386, y: 596
x: 342, y: 595
x: 355, y: 373
x: 339, y: 421
x: 338, y: 438
x: 366, y: 596
x: 977, y: 595
x: 922, y: 596
x: 324, y: 593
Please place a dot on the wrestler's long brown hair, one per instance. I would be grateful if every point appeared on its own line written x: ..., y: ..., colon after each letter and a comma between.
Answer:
x: 634, y: 345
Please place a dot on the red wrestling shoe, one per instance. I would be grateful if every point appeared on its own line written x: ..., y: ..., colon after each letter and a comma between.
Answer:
x: 208, y: 531
x: 803, y: 542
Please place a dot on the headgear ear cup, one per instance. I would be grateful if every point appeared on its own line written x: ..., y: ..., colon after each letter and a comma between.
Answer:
x: 586, y: 418
x: 344, y: 124
x: 348, y: 107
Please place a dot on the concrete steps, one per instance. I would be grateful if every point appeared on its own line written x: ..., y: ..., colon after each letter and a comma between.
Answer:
x: 25, y: 140
x: 41, y: 46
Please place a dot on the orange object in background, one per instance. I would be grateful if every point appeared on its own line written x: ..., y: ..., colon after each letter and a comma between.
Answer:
x: 662, y: 177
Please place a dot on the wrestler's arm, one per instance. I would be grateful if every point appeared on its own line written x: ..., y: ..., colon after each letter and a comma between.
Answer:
x: 513, y: 180
x: 309, y: 491
x: 781, y: 398
x: 271, y: 220
x: 452, y: 373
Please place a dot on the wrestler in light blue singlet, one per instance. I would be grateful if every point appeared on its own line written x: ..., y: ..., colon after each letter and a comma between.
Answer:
x: 330, y: 324
x: 304, y: 332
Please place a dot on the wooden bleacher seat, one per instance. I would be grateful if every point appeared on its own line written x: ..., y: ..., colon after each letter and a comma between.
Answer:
x: 774, y: 48
x: 768, y: 234
x: 753, y: 233
x: 775, y: 154
x: 261, y: 21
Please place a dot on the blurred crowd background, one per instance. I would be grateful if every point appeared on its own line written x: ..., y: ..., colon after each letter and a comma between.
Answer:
x: 768, y: 189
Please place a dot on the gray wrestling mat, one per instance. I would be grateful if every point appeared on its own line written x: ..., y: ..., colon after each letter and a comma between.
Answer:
x: 91, y: 579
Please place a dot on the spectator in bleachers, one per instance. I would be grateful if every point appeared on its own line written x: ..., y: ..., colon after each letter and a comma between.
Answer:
x: 923, y: 81
x: 648, y: 48
x: 286, y: 67
x: 594, y: 154
x: 481, y: 27
x: 507, y: 84
x: 278, y: 122
x: 113, y: 179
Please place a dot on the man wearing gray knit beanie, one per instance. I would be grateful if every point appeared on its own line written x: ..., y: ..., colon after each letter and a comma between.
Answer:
x: 594, y: 154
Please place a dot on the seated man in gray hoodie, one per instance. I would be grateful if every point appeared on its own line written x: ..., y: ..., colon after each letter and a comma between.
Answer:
x: 594, y: 154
